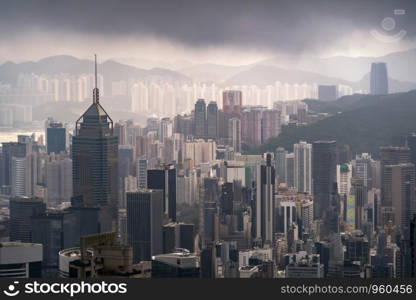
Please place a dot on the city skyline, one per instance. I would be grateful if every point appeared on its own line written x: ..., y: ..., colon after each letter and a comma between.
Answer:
x: 290, y: 165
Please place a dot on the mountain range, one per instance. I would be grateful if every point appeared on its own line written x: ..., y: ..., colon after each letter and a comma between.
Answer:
x: 110, y: 69
x: 268, y: 75
x: 284, y: 68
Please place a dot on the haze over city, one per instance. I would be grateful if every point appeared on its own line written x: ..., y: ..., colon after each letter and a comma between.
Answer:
x: 208, y: 139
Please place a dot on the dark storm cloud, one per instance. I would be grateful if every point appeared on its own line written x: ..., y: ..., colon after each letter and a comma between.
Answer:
x: 285, y: 25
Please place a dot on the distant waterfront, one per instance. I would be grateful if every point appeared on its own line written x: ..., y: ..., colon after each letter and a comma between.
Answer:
x: 10, y: 135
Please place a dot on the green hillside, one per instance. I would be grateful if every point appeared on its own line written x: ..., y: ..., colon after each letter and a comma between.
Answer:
x: 365, y: 122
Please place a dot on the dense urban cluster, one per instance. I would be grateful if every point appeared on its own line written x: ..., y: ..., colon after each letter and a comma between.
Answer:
x: 179, y: 197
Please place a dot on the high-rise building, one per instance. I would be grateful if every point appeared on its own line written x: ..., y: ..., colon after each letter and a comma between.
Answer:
x: 164, y: 179
x: 200, y: 119
x: 270, y: 124
x: 234, y: 134
x: 363, y: 169
x: 10, y: 150
x: 22, y: 209
x: 210, y: 194
x: 184, y: 124
x: 166, y: 129
x: 280, y: 164
x: 290, y: 170
x: 287, y: 214
x: 251, y: 131
x: 208, y: 261
x: 141, y: 172
x: 21, y: 169
x: 232, y: 101
x: 212, y: 120
x: 125, y: 160
x: 344, y: 176
x: 94, y: 155
x: 399, y: 192
x: 391, y: 156
x: 120, y: 130
x: 178, y: 236
x: 265, y: 187
x: 357, y: 248
x: 144, y: 223
x: 55, y: 137
x: 78, y: 221
x: 379, y: 81
x: 303, y: 167
x: 58, y: 178
x: 307, y: 215
x: 324, y: 164
x: 47, y: 229
x: 327, y: 92
x: 360, y: 197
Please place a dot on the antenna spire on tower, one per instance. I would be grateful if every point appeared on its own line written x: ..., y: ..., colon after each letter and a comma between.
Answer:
x: 96, y: 98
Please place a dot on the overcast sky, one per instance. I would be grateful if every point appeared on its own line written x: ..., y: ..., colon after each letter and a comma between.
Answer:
x: 226, y: 31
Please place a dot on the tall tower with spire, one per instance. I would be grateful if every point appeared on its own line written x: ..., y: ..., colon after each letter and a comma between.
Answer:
x: 94, y: 154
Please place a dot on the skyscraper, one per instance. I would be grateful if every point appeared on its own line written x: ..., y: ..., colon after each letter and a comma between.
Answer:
x: 200, y: 117
x: 270, y: 124
x: 280, y: 164
x: 178, y: 235
x: 144, y: 223
x: 290, y: 170
x: 10, y: 150
x: 22, y: 209
x: 94, y: 154
x: 21, y: 184
x: 232, y: 101
x: 166, y: 129
x: 55, y: 137
x: 362, y: 169
x: 164, y: 179
x: 399, y: 187
x: 379, y: 81
x: 58, y: 179
x: 344, y: 176
x: 47, y: 229
x: 251, y: 123
x: 141, y: 173
x: 324, y: 165
x: 391, y: 156
x: 303, y: 167
x: 234, y: 134
x: 212, y: 120
x: 265, y: 188
x: 210, y: 192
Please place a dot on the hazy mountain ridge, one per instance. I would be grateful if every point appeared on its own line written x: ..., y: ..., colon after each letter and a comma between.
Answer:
x: 262, y: 73
x: 268, y: 75
x: 401, y: 65
x: 66, y: 64
x: 213, y: 72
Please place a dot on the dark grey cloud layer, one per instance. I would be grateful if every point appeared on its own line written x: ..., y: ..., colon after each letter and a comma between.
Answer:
x: 284, y: 25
